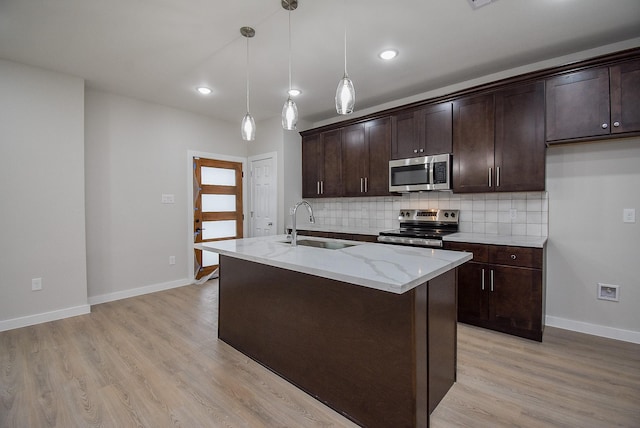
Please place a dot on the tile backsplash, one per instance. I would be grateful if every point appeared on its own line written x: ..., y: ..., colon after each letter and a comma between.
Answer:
x: 491, y: 213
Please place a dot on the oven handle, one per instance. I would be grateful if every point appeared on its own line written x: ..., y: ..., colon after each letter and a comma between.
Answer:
x: 421, y: 242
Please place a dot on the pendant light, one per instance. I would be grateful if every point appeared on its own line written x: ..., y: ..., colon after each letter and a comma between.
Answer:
x: 248, y: 126
x: 289, y: 110
x: 345, y: 94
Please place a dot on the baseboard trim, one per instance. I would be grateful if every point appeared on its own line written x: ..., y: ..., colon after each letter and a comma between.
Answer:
x: 594, y: 329
x: 118, y: 295
x: 44, y: 317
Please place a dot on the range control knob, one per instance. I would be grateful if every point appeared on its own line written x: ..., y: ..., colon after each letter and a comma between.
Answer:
x: 453, y: 215
x: 446, y: 215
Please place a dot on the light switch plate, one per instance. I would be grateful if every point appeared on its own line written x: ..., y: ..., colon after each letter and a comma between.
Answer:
x: 168, y: 199
x: 629, y: 215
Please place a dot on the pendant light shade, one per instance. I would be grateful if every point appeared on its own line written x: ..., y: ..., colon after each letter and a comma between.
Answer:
x: 346, y: 93
x: 289, y: 115
x: 289, y: 110
x: 248, y: 128
x: 248, y: 125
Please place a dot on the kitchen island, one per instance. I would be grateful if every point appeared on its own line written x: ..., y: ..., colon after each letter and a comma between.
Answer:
x: 368, y: 329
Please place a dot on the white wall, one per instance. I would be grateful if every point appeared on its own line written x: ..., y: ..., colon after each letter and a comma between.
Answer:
x: 135, y: 152
x: 270, y: 137
x: 589, y: 185
x: 42, y: 227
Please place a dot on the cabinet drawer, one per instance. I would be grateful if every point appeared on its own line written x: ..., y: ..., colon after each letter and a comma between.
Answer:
x: 516, y: 256
x: 480, y: 251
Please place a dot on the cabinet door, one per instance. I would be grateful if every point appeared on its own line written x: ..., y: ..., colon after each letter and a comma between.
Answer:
x: 405, y: 139
x: 519, y: 144
x: 473, y: 299
x: 435, y: 128
x: 354, y: 155
x: 473, y: 135
x: 515, y: 299
x: 311, y: 160
x: 625, y: 97
x: 331, y: 175
x: 578, y: 105
x: 377, y: 137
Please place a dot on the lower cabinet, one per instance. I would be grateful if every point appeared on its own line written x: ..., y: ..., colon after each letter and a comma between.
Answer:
x: 502, y: 288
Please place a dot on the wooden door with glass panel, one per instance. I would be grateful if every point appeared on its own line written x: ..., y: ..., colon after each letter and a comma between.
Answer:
x: 217, y: 208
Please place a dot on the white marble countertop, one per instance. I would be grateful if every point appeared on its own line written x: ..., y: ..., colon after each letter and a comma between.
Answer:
x: 391, y: 268
x: 484, y: 238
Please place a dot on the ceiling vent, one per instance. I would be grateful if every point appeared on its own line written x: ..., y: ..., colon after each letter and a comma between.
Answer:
x: 479, y: 3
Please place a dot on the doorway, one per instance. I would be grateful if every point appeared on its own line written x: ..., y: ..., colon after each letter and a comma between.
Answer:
x: 264, y: 194
x: 217, y: 208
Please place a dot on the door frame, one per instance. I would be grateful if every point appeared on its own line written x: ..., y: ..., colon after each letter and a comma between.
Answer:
x: 250, y: 160
x: 190, y: 218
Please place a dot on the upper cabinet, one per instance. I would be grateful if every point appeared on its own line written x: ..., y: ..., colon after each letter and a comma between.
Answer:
x: 322, y: 164
x: 365, y: 158
x: 498, y: 141
x: 422, y: 131
x: 497, y: 132
x: 593, y: 103
x: 348, y: 161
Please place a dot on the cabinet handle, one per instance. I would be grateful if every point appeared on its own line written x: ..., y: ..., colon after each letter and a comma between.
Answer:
x: 605, y: 126
x: 421, y: 150
x: 317, y: 187
x: 513, y: 257
x: 490, y: 174
x: 366, y: 185
x: 498, y: 176
x: 492, y: 280
x: 322, y: 187
x: 616, y: 124
x: 482, y: 279
x: 415, y: 150
x: 361, y: 184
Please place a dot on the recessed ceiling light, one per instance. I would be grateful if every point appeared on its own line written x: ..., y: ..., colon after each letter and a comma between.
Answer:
x: 388, y: 54
x: 294, y: 92
x: 203, y: 90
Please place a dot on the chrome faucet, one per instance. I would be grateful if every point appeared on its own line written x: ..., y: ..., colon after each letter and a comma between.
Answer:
x: 294, y: 232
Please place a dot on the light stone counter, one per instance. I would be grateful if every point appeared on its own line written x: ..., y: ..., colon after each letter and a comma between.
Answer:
x: 391, y: 268
x: 512, y: 240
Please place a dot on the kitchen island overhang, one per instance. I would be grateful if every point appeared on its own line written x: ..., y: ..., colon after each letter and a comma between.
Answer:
x: 378, y: 355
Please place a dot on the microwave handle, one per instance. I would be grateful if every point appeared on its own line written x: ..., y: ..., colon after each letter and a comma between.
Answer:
x: 431, y: 167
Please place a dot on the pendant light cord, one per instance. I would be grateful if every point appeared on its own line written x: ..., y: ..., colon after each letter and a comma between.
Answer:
x: 289, y: 48
x: 247, y: 74
x: 345, y: 38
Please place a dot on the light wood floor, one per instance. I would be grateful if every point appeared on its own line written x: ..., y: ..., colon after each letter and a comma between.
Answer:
x: 154, y: 361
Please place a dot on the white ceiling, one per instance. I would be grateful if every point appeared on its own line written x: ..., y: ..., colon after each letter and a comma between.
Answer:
x: 160, y: 50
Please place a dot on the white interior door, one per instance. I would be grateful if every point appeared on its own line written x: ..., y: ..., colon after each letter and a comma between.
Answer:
x: 264, y: 195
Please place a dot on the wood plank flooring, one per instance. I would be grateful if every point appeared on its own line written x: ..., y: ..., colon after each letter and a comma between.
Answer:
x: 155, y: 361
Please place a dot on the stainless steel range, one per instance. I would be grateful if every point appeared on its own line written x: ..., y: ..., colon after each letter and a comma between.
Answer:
x: 423, y: 228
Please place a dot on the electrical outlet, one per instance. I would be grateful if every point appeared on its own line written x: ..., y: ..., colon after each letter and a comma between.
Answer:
x: 172, y: 260
x: 36, y: 284
x: 629, y: 215
x: 608, y: 292
x: 168, y: 199
x: 513, y: 213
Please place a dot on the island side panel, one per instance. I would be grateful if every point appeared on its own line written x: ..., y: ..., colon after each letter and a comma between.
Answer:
x: 351, y: 347
x: 443, y: 329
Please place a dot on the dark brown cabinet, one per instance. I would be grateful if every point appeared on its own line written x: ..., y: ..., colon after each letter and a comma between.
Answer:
x: 422, y: 131
x: 502, y: 289
x: 365, y: 158
x: 322, y: 164
x: 498, y: 141
x: 593, y: 103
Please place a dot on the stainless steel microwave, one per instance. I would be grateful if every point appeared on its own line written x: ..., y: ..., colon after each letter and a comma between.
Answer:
x: 419, y: 174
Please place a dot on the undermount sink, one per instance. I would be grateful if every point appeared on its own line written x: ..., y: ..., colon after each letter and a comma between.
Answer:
x: 329, y: 245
